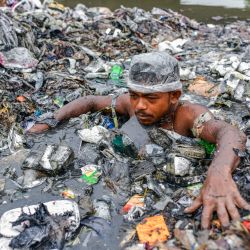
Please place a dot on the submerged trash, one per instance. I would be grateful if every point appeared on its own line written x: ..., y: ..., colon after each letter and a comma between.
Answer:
x: 32, y: 178
x: 42, y: 230
x: 47, y: 225
x: 102, y: 209
x: 124, y: 145
x: 55, y: 159
x: 123, y: 178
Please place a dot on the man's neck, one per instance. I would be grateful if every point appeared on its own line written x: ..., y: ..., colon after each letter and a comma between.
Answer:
x: 167, y: 121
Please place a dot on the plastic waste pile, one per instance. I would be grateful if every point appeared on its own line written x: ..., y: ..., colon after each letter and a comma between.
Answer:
x: 93, y: 185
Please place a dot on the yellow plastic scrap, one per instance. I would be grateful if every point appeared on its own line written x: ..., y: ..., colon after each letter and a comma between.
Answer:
x: 4, y: 110
x: 152, y: 230
x: 57, y: 6
x: 67, y: 193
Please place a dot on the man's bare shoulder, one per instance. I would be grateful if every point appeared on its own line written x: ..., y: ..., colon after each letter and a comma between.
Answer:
x: 192, y: 108
x: 187, y: 112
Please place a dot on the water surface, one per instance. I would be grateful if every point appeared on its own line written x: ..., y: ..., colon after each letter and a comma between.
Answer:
x: 201, y: 10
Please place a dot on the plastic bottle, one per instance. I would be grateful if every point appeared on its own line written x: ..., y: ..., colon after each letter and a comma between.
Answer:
x: 116, y: 72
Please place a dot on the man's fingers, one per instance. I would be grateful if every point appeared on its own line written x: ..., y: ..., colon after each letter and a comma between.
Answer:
x: 241, y: 203
x: 38, y: 128
x: 232, y: 210
x: 195, y: 205
x: 223, y: 215
x: 206, y: 216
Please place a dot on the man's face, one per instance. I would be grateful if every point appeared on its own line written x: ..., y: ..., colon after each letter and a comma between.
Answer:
x: 150, y: 108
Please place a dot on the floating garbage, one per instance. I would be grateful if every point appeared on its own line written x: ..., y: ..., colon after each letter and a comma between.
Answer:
x: 177, y: 165
x: 15, y: 139
x: 116, y: 72
x: 152, y: 230
x: 67, y: 193
x: 102, y: 209
x: 55, y: 159
x: 48, y: 224
x: 2, y: 185
x: 91, y: 173
x: 93, y: 135
x: 8, y: 37
x: 18, y: 59
x: 174, y: 47
x: 32, y: 178
x: 120, y: 180
x: 124, y: 145
x: 134, y: 201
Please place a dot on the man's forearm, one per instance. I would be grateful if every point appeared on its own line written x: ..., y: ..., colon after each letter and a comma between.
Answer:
x: 73, y: 109
x: 226, y: 160
x: 219, y: 192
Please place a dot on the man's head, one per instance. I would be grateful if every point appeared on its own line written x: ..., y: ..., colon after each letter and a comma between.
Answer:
x: 154, y: 86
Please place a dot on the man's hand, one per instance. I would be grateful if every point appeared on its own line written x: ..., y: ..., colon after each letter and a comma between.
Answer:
x: 38, y: 128
x: 219, y: 194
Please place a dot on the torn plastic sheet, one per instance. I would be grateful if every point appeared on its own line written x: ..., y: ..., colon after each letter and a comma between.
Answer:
x: 58, y: 207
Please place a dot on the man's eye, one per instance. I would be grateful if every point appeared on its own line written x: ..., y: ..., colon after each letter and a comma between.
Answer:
x: 152, y: 97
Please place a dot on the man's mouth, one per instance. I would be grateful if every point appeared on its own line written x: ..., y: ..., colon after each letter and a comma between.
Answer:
x: 143, y: 117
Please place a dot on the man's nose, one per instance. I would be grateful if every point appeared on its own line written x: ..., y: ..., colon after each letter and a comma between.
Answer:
x: 141, y: 105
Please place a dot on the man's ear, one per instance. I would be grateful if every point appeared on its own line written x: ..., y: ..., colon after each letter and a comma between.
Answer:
x: 174, y: 96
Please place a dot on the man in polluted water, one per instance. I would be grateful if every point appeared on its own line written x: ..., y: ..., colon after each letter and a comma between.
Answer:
x: 153, y: 98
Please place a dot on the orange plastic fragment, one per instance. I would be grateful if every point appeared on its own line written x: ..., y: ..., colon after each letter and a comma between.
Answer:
x: 68, y: 194
x: 216, y: 223
x: 135, y: 201
x: 21, y: 98
x: 246, y: 225
x: 152, y: 230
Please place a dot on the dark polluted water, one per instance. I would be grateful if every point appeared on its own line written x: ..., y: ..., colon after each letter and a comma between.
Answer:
x: 201, y: 10
x: 67, y: 135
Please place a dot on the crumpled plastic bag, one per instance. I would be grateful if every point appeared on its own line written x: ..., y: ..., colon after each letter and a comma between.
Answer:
x: 54, y: 208
x: 93, y: 135
x: 8, y: 37
x: 20, y: 59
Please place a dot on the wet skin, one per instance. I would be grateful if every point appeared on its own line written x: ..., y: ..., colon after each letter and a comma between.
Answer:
x: 150, y: 108
x: 219, y: 193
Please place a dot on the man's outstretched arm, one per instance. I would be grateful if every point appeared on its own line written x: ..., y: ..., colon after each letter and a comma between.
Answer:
x: 219, y: 192
x: 84, y: 105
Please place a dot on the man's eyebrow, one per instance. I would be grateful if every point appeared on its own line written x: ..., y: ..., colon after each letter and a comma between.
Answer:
x: 151, y: 94
x: 132, y: 92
